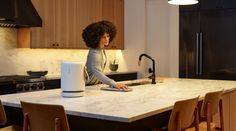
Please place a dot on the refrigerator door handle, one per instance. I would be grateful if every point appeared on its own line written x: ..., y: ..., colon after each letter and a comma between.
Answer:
x: 200, y: 52
x: 197, y: 54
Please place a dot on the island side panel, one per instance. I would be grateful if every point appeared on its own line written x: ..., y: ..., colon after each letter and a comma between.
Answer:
x: 15, y: 117
x: 88, y: 124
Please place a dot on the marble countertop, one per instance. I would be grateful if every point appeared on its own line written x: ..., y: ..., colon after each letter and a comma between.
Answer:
x: 143, y: 101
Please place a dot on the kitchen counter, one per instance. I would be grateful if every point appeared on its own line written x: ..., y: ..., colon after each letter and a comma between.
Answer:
x: 58, y: 76
x: 142, y: 102
x: 54, y: 81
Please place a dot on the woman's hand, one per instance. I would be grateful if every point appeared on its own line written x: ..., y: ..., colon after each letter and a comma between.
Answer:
x: 122, y: 86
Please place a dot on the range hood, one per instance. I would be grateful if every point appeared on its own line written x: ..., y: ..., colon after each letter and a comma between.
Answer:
x: 18, y: 13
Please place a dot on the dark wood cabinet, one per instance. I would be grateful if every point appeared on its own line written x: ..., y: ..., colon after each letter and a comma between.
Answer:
x: 217, y: 4
x: 228, y: 4
x: 194, y: 7
x: 210, y: 5
x: 207, y: 44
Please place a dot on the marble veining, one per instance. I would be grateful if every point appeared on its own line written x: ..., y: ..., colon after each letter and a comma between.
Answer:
x: 143, y: 101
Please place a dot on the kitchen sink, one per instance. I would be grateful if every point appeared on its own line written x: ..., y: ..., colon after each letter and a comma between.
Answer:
x: 145, y: 82
x: 138, y: 83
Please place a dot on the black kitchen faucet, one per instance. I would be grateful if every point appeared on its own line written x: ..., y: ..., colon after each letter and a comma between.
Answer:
x: 153, y: 76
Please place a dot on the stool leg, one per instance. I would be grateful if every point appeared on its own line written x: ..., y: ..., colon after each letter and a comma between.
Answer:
x: 221, y: 115
x: 196, y: 119
x: 57, y: 124
x: 178, y: 122
x: 208, y: 117
x: 26, y: 122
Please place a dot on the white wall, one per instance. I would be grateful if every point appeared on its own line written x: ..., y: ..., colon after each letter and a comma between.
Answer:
x: 162, y: 36
x: 135, y: 33
x: 147, y: 29
x: 174, y: 41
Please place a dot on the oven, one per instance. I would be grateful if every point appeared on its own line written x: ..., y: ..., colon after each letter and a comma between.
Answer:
x: 21, y: 83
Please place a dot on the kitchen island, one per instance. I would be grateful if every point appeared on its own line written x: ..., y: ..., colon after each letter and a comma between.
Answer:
x: 111, y: 110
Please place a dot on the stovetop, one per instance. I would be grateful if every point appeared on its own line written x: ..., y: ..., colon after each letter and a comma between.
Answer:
x: 14, y: 79
x: 21, y: 83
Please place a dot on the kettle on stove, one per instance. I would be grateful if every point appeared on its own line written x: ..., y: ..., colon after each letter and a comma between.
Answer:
x: 73, y: 78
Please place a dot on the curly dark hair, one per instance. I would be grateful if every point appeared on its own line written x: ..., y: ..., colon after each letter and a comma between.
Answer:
x: 93, y: 33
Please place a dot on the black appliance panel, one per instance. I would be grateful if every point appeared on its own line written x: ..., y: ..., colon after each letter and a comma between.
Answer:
x: 206, y: 5
x: 207, y: 44
x: 218, y: 28
x: 189, y: 38
x: 20, y: 83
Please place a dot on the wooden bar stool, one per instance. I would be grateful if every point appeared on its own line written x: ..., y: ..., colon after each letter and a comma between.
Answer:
x: 44, y: 117
x: 3, y: 121
x: 212, y: 104
x: 209, y: 108
x: 183, y: 115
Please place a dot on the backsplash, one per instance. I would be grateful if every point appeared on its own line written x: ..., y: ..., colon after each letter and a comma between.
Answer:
x: 18, y: 60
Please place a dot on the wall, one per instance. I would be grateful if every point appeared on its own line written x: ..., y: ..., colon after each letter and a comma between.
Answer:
x: 162, y: 36
x: 148, y: 29
x: 174, y: 41
x: 135, y: 34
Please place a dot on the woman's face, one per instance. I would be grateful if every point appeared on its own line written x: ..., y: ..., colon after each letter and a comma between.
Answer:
x: 104, y: 41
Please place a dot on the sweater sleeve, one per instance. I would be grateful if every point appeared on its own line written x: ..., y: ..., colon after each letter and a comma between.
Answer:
x: 95, y: 60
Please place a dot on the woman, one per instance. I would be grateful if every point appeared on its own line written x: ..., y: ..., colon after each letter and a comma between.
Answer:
x: 97, y: 36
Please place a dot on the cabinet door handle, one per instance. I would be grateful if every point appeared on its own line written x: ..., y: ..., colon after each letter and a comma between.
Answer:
x: 200, y: 53
x: 197, y: 54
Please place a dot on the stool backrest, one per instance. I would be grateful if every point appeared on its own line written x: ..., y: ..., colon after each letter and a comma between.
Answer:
x: 43, y: 117
x: 3, y: 118
x: 184, y: 110
x: 213, y: 98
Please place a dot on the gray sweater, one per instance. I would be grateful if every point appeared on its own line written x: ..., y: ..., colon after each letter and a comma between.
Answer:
x: 95, y: 66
